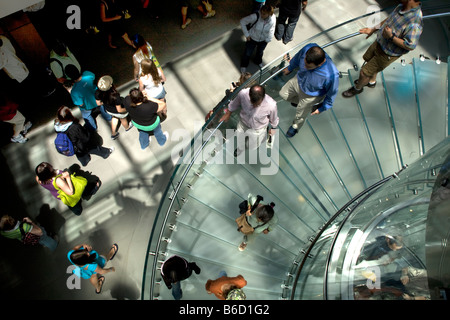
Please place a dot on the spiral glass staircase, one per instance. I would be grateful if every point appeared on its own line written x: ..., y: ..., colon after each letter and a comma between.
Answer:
x: 367, y: 168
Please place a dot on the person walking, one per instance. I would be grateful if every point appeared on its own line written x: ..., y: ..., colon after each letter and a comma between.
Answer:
x: 258, y: 110
x: 397, y: 35
x: 259, y: 218
x: 59, y: 183
x: 314, y: 87
x: 289, y: 11
x: 91, y: 265
x: 224, y: 286
x: 83, y: 96
x: 26, y: 231
x: 144, y: 51
x: 112, y: 101
x: 144, y: 115
x: 9, y: 113
x: 258, y: 35
x: 176, y: 269
x: 84, y: 141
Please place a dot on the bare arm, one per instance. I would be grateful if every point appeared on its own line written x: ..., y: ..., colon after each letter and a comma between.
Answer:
x: 65, y: 183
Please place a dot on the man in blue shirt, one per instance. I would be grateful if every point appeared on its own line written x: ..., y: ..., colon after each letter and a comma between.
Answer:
x: 83, y: 96
x: 314, y: 88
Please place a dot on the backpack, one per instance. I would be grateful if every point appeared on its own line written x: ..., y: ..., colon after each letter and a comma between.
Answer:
x: 64, y: 145
x: 251, y: 25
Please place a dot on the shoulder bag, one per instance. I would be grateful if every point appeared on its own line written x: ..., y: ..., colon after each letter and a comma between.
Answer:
x: 79, y: 183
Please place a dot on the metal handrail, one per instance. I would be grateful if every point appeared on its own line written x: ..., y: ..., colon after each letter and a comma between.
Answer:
x: 180, y: 183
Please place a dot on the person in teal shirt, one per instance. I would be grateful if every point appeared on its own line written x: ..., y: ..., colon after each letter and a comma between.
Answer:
x: 83, y: 96
x: 90, y: 264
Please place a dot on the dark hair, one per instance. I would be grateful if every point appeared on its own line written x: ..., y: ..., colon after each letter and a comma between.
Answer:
x: 268, y: 9
x: 257, y: 93
x: 64, y: 115
x: 140, y: 43
x: 265, y: 213
x: 72, y: 72
x: 80, y: 257
x: 45, y: 171
x: 59, y: 47
x: 136, y: 96
x: 315, y: 55
x: 109, y: 97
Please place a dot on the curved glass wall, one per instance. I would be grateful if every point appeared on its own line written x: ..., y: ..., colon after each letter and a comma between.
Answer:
x: 339, y: 154
x: 382, y: 241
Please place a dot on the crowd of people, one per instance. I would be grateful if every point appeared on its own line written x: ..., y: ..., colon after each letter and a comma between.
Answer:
x: 311, y: 91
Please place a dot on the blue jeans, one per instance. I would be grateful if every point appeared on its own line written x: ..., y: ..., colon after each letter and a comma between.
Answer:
x: 90, y: 120
x: 177, y: 293
x: 144, y: 137
x: 285, y: 31
x: 47, y: 241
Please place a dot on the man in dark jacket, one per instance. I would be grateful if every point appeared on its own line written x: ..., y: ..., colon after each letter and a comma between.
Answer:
x: 176, y: 269
x: 290, y: 11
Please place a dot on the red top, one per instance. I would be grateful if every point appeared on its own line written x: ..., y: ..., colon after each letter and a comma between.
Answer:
x: 215, y: 286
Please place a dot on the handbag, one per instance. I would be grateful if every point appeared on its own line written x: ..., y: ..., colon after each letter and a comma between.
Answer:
x: 79, y: 183
x: 241, y: 221
x: 243, y: 225
x: 29, y: 238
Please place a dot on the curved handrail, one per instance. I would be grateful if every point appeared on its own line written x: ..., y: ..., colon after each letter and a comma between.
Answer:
x: 219, y: 108
x: 328, y: 223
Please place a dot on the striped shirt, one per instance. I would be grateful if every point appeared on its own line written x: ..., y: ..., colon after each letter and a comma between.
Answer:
x: 405, y: 25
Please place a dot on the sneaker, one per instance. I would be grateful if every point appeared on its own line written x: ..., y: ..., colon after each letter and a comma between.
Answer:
x: 26, y: 127
x: 210, y: 14
x: 291, y: 132
x: 115, y: 136
x: 351, y: 92
x: 370, y: 85
x: 166, y: 134
x: 242, y: 246
x: 188, y: 20
x: 130, y: 126
x: 19, y: 139
x: 243, y: 70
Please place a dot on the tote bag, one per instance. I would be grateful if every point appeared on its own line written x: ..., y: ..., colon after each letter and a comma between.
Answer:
x: 79, y: 183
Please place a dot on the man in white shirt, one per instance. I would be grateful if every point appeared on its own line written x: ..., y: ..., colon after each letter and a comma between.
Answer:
x: 258, y: 110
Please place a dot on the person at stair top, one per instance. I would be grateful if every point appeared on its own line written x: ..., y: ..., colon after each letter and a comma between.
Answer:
x: 315, y: 86
x: 398, y: 34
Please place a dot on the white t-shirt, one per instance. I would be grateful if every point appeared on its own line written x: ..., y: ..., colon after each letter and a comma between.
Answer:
x: 13, y: 66
x: 152, y: 90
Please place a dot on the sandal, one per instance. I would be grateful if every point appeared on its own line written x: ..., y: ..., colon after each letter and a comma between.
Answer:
x: 101, y: 280
x: 116, y: 247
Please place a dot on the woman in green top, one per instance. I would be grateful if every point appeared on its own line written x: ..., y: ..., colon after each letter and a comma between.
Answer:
x: 262, y: 219
x: 11, y: 228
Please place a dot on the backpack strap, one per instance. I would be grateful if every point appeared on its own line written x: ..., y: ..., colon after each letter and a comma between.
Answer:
x: 253, y: 24
x: 60, y: 64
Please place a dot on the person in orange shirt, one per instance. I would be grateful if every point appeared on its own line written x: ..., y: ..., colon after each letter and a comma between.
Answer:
x: 224, y: 285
